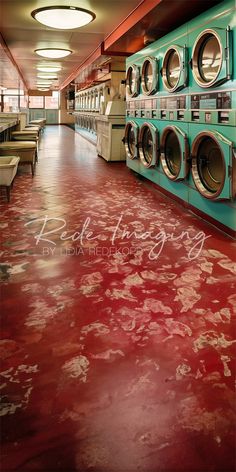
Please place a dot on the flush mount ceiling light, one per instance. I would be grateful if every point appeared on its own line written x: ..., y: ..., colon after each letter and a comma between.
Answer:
x: 48, y: 68
x: 63, y: 17
x: 44, y: 84
x: 53, y: 53
x: 47, y: 76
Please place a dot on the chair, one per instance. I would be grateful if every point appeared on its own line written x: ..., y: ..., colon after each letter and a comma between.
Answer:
x: 27, y: 135
x: 8, y: 169
x: 26, y: 150
x: 41, y: 122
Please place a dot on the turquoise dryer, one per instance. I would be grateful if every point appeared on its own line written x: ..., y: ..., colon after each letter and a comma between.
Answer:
x: 142, y: 148
x: 212, y: 181
x: 174, y: 159
x: 131, y: 145
x: 211, y: 45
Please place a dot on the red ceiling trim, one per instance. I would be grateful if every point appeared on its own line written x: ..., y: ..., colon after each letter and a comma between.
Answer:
x: 10, y: 56
x: 132, y: 19
x: 114, y: 53
x: 90, y: 59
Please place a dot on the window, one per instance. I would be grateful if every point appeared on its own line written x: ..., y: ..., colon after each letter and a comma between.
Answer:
x: 23, y: 102
x: 52, y: 103
x: 11, y: 103
x: 36, y: 102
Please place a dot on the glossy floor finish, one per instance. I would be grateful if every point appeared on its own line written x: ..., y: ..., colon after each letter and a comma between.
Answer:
x: 118, y: 349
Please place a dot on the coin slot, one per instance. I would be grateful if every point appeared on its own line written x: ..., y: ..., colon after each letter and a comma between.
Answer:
x: 223, y: 117
x: 195, y: 115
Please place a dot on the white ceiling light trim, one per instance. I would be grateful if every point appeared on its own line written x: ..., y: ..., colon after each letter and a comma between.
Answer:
x: 44, y: 84
x: 63, y: 17
x: 47, y: 76
x: 53, y: 53
x: 48, y: 68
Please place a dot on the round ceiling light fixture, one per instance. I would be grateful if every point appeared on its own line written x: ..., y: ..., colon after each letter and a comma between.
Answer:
x: 49, y: 69
x: 47, y: 76
x: 63, y: 17
x: 53, y: 53
x: 44, y: 84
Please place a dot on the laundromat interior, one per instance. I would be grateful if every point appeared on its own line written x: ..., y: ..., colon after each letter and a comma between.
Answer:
x: 117, y: 235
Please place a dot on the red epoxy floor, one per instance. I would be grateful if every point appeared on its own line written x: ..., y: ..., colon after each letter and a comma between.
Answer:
x: 114, y: 359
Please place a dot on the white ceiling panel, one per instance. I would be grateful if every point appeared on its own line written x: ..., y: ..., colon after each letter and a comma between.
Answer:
x: 23, y: 34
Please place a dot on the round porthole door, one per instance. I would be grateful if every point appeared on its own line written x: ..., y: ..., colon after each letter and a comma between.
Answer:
x: 132, y: 81
x: 174, y: 153
x: 211, y: 57
x: 131, y: 140
x: 211, y: 163
x: 148, y: 145
x: 149, y: 76
x: 174, y: 68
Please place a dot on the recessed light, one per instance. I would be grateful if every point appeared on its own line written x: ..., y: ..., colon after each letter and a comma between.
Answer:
x: 53, y: 53
x: 49, y: 68
x: 63, y: 17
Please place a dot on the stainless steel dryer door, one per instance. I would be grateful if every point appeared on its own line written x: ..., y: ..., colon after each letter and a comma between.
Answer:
x: 212, y: 57
x: 148, y: 145
x: 212, y: 165
x: 149, y: 76
x: 132, y: 81
x: 175, y: 68
x: 174, y: 153
x: 131, y: 140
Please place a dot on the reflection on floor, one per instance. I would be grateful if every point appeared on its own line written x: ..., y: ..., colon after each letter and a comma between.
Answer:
x: 117, y: 346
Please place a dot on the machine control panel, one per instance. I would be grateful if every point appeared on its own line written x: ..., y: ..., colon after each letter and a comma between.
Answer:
x: 214, y: 101
x: 173, y: 103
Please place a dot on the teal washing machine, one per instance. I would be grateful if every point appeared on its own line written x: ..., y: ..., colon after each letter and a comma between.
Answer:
x: 142, y: 147
x: 211, y: 38
x: 131, y: 145
x: 171, y: 52
x: 141, y: 135
x: 174, y: 159
x: 156, y: 92
x: 212, y: 184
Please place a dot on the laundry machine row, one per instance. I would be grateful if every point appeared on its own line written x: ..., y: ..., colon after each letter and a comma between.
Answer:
x: 181, y: 114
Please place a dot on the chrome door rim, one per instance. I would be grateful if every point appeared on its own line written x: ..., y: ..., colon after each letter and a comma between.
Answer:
x: 153, y: 62
x: 195, y: 57
x: 166, y: 82
x: 164, y: 164
x: 130, y: 125
x: 133, y: 69
x: 197, y: 178
x: 141, y: 150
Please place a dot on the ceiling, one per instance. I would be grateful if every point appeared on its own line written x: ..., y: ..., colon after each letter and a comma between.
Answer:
x: 23, y: 34
x: 120, y: 28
